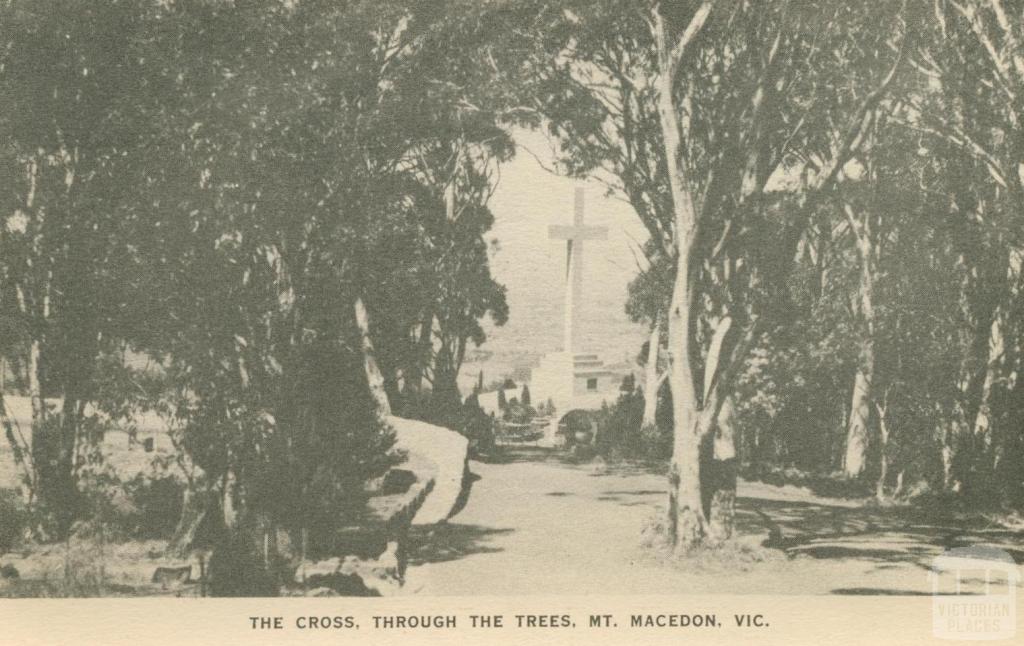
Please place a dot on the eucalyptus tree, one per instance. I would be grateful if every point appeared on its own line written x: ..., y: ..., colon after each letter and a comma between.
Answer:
x: 71, y: 79
x: 969, y: 108
x: 724, y: 124
x: 435, y: 276
x: 298, y: 237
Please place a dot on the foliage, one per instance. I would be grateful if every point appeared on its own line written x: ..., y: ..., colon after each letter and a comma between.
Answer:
x: 620, y: 429
x: 14, y: 522
x: 214, y: 185
x: 156, y: 504
x: 831, y: 194
x: 477, y: 426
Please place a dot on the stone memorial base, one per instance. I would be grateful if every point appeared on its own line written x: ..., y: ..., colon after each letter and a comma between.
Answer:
x: 574, y: 381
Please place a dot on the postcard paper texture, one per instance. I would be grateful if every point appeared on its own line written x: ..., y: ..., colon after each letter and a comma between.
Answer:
x: 511, y: 321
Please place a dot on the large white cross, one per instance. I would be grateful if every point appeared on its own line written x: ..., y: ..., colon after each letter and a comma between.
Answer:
x: 574, y: 235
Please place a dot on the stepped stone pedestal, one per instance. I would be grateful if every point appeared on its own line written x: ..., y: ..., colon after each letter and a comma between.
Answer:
x: 572, y: 381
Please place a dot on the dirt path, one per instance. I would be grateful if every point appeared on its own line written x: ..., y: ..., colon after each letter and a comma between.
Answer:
x: 538, y: 525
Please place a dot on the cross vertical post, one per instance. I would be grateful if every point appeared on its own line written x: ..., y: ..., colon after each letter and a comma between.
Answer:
x: 574, y: 235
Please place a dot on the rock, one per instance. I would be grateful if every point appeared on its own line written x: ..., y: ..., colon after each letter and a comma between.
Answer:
x: 449, y: 452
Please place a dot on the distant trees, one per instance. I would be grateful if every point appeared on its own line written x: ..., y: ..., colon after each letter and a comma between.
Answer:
x: 967, y: 110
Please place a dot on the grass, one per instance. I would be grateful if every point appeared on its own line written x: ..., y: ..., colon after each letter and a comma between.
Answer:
x: 738, y: 554
x: 86, y: 566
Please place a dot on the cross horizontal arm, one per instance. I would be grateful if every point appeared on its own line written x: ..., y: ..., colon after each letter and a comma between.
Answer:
x: 568, y: 232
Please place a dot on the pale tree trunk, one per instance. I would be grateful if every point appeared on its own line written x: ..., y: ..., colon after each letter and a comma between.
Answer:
x: 975, y: 385
x: 229, y: 500
x: 858, y: 429
x: 694, y: 417
x: 37, y: 318
x: 232, y: 500
x: 883, y: 457
x: 999, y: 362
x: 946, y: 454
x: 858, y: 432
x: 652, y: 379
x: 686, y: 512
x: 374, y: 377
x: 996, y: 348
x: 686, y: 519
x: 686, y: 515
x: 35, y: 390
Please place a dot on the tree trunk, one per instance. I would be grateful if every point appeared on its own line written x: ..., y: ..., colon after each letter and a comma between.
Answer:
x: 35, y: 390
x: 394, y: 393
x: 413, y: 377
x: 722, y: 480
x: 686, y: 515
x: 229, y: 502
x: 651, y: 378
x: 946, y: 455
x: 996, y: 348
x: 374, y: 377
x: 857, y: 433
x: 883, y: 469
x: 686, y: 510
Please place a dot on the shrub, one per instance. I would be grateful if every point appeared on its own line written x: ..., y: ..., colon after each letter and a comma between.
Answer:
x: 156, y: 502
x: 236, y: 570
x: 575, y: 422
x: 519, y: 413
x: 58, y: 500
x: 477, y: 426
x: 618, y: 427
x: 13, y: 519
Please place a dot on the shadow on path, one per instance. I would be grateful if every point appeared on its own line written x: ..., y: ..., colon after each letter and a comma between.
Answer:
x: 882, y: 591
x: 531, y: 497
x: 882, y: 535
x: 452, y: 541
